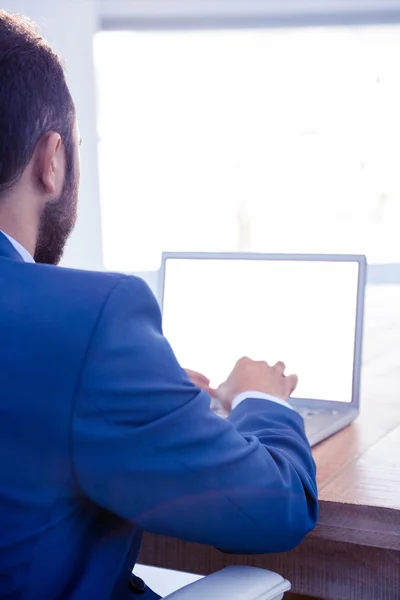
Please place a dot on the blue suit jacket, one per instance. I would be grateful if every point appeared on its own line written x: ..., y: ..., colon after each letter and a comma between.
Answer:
x: 102, y: 436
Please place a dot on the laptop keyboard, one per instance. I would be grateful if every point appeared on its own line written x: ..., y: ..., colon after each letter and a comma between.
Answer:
x: 307, y: 413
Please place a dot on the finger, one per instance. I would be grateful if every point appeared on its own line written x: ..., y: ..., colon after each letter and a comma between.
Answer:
x: 280, y: 367
x: 194, y: 375
x: 291, y: 382
x: 211, y: 391
x: 244, y: 359
x: 200, y: 381
x: 206, y: 388
x: 204, y: 385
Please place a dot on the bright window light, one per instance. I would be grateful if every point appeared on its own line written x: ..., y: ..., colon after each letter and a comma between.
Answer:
x: 262, y: 140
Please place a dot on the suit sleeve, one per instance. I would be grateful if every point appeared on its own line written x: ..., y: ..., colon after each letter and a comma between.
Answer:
x: 146, y: 446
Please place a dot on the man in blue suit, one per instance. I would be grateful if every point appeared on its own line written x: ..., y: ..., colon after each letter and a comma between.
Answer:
x: 102, y: 434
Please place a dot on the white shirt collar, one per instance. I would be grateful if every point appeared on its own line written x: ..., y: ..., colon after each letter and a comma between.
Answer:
x: 20, y: 249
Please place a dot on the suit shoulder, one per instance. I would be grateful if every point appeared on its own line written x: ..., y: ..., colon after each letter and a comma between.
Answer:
x: 82, y: 284
x: 117, y: 295
x: 81, y: 296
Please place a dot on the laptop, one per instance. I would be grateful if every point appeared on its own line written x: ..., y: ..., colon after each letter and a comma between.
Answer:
x: 306, y: 310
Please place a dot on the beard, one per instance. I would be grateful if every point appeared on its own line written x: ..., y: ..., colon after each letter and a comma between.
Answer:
x: 57, y: 223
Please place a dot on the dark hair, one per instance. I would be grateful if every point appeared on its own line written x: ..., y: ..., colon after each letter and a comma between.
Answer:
x: 34, y: 97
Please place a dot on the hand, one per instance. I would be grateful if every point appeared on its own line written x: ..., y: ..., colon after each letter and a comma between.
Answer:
x: 258, y: 376
x: 200, y: 381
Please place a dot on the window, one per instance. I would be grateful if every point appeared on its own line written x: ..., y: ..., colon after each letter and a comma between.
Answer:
x: 264, y: 140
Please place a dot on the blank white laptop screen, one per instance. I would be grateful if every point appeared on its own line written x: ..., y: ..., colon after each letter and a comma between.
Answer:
x: 301, y: 312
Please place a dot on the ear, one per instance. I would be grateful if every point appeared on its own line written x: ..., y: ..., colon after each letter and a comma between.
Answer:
x: 50, y: 163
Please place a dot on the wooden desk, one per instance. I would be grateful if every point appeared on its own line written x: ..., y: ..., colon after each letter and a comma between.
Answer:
x: 354, y: 552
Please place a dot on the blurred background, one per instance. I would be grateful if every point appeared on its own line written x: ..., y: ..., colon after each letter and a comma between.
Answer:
x: 220, y: 125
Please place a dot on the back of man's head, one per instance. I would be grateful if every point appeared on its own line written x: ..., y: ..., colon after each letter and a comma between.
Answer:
x: 38, y: 140
x: 34, y: 96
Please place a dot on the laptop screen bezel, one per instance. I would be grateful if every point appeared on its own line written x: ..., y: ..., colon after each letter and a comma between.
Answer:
x: 359, y: 325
